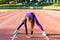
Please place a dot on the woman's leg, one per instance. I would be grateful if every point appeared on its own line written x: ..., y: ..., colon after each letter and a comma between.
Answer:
x: 40, y: 26
x: 32, y: 27
x: 32, y: 30
x: 25, y: 27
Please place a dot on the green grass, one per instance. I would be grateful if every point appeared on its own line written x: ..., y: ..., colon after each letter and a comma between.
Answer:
x: 11, y: 5
x: 55, y: 4
x: 19, y: 5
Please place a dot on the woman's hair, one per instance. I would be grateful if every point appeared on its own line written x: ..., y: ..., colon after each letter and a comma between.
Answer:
x: 29, y: 18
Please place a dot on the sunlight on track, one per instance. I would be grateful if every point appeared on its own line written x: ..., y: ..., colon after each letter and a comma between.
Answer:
x: 51, y: 12
x: 50, y: 20
x: 5, y: 10
x: 9, y: 19
x: 6, y: 16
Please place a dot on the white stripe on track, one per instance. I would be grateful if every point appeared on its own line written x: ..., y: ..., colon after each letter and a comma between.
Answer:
x: 50, y: 19
x: 9, y: 19
x: 6, y: 15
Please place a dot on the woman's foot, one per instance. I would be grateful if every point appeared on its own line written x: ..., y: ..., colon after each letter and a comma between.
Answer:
x: 27, y: 36
x: 31, y: 36
x: 15, y: 32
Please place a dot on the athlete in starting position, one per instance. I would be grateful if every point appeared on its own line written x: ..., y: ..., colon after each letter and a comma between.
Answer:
x: 32, y: 18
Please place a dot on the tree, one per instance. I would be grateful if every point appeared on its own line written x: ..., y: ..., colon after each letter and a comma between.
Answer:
x: 1, y: 2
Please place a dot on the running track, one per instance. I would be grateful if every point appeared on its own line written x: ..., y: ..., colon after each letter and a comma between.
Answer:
x: 10, y: 20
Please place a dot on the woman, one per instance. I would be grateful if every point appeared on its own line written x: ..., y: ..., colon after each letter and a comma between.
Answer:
x: 32, y: 18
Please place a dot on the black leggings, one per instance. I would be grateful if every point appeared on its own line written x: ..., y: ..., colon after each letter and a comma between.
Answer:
x: 25, y: 27
x: 32, y: 26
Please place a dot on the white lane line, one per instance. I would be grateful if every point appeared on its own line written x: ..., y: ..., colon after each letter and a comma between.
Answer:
x: 50, y: 20
x: 13, y: 37
x: 52, y: 13
x: 6, y: 16
x: 9, y: 19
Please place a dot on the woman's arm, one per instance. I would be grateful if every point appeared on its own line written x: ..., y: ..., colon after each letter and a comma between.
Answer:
x: 21, y: 24
x: 15, y: 32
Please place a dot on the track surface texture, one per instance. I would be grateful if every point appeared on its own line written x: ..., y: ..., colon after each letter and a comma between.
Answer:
x: 49, y: 19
